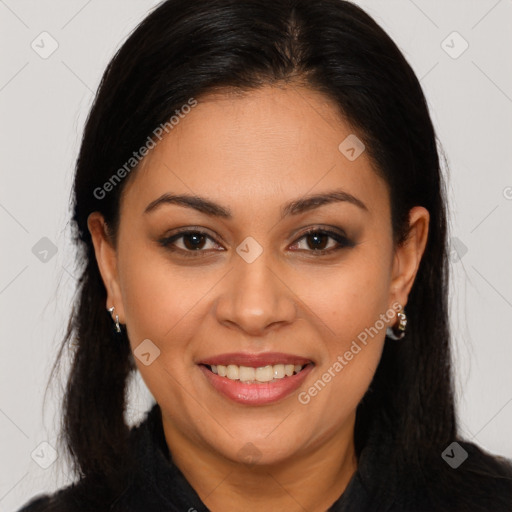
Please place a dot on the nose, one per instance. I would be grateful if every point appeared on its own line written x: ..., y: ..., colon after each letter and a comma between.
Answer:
x: 255, y: 299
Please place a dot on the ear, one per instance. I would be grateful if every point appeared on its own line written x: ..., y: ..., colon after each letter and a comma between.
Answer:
x: 408, y: 256
x: 106, y: 257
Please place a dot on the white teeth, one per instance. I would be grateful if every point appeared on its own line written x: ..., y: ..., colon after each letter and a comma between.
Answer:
x: 278, y: 371
x: 245, y: 373
x: 232, y: 372
x: 265, y: 373
x: 261, y: 374
x: 289, y: 369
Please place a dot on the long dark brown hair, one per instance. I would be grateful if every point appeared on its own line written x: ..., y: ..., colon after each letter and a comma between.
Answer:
x: 185, y: 49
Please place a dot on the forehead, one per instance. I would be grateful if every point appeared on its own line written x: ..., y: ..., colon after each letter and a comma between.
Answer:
x: 268, y: 144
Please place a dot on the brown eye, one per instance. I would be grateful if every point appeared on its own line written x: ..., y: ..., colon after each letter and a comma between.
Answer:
x: 194, y: 241
x: 190, y: 242
x: 318, y: 242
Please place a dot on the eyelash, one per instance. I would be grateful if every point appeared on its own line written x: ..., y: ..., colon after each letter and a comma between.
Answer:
x: 168, y: 242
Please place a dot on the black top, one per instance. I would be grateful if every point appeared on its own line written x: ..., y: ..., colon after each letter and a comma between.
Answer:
x: 157, y: 485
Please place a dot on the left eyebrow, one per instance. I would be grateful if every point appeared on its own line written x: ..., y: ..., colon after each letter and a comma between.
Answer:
x: 310, y: 202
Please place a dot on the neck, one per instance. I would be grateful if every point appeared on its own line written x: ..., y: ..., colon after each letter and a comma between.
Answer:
x: 310, y: 480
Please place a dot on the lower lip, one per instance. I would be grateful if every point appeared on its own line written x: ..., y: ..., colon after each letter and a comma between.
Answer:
x: 256, y: 394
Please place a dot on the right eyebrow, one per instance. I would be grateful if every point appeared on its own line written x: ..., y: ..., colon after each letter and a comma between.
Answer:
x: 198, y: 203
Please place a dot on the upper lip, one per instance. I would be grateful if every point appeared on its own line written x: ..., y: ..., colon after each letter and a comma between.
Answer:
x: 255, y: 360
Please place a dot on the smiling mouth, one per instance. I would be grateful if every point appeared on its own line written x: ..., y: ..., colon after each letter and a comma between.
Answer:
x: 261, y: 374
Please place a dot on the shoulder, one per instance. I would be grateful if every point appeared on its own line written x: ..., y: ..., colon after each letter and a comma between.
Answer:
x: 99, y: 493
x: 477, y: 461
x: 81, y: 496
x: 69, y: 498
x: 36, y: 504
x: 471, y: 479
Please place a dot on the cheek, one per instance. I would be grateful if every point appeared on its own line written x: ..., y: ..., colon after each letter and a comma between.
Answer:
x: 349, y: 297
x: 350, y: 303
x: 158, y: 296
x: 351, y: 357
x: 159, y: 303
x: 340, y: 385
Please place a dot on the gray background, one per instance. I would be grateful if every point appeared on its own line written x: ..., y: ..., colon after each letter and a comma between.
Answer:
x: 43, y: 106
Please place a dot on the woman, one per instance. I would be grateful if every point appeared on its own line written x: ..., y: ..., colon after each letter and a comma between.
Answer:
x: 261, y: 216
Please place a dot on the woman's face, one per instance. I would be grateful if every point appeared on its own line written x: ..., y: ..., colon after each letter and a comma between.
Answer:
x: 253, y: 282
